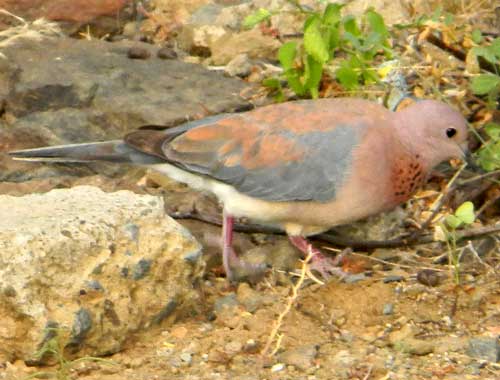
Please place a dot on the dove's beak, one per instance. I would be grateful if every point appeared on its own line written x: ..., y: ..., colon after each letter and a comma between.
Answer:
x: 468, y: 158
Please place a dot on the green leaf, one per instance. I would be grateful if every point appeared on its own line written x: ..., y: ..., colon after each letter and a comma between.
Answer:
x: 312, y: 77
x: 477, y: 36
x: 493, y: 130
x: 495, y: 47
x: 465, y: 213
x: 376, y: 22
x: 453, y: 222
x: 347, y: 77
x: 293, y: 78
x: 332, y: 16
x: 355, y: 42
x: 287, y: 54
x: 489, y: 156
x: 314, y: 43
x: 485, y: 83
x: 351, y: 26
x: 486, y: 52
x: 255, y: 18
x: 334, y: 39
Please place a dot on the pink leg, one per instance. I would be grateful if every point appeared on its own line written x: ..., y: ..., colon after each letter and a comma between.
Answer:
x: 326, y: 266
x: 230, y: 259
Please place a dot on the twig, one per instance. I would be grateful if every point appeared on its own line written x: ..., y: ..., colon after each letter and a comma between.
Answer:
x: 441, y: 199
x: 332, y: 238
x: 368, y: 373
x: 478, y: 178
x: 290, y: 301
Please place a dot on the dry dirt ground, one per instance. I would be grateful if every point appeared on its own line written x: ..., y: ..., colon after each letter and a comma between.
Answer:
x: 385, y: 326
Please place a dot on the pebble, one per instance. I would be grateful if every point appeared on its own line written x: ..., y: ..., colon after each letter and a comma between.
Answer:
x: 393, y: 278
x: 166, y: 53
x: 233, y: 348
x: 228, y: 301
x: 136, y: 52
x: 278, y: 367
x: 301, y: 357
x: 186, y: 357
x: 248, y: 297
x: 415, y: 346
x: 484, y: 348
x: 251, y: 346
x: 388, y: 309
x: 428, y: 277
x: 354, y: 278
x: 239, y: 66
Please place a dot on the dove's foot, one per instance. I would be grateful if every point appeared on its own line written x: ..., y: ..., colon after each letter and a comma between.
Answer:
x: 324, y: 265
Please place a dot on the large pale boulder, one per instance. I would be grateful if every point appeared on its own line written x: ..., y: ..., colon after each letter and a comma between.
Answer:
x: 93, y: 267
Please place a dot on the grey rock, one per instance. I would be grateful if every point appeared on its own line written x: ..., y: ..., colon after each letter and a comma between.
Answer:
x: 59, y: 90
x: 301, y: 357
x: 393, y: 278
x: 228, y: 301
x: 388, y: 309
x: 239, y: 66
x: 485, y: 349
x: 57, y: 271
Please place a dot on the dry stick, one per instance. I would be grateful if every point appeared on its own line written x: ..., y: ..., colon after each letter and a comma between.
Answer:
x: 290, y: 301
x: 443, y: 196
x: 471, y: 233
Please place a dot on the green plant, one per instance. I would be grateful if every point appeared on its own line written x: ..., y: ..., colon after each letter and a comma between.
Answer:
x: 354, y: 43
x: 54, y: 347
x: 488, y: 156
x: 487, y: 84
x: 464, y: 215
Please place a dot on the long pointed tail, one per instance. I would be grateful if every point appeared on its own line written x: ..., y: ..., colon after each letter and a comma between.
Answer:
x: 111, y: 151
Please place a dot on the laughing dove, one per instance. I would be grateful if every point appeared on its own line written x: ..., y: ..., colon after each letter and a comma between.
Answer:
x: 305, y: 166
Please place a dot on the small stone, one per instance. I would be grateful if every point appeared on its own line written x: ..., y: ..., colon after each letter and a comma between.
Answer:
x: 251, y: 346
x: 484, y: 348
x: 354, y: 278
x: 278, y: 367
x: 166, y: 53
x: 228, y: 302
x: 428, y: 277
x: 343, y: 359
x: 239, y: 66
x: 248, y: 297
x: 136, y: 52
x: 393, y: 278
x: 186, y: 357
x: 233, y: 348
x: 301, y: 357
x: 415, y: 346
x: 388, y: 309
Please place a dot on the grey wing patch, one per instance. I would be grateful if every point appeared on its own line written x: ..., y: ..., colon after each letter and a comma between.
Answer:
x: 317, y: 177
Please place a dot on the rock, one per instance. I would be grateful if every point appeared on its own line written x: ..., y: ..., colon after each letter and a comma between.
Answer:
x: 239, y: 66
x: 415, y: 346
x: 103, y: 16
x: 248, y: 297
x: 485, y: 349
x: 67, y: 91
x: 301, y: 357
x: 54, y: 245
x: 392, y: 11
x: 388, y: 309
x: 429, y: 277
x: 250, y: 42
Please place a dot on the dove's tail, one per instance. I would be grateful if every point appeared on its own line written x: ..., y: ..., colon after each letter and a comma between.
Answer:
x: 110, y: 151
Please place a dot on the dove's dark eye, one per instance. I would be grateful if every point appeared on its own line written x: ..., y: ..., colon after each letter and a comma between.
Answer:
x: 450, y: 132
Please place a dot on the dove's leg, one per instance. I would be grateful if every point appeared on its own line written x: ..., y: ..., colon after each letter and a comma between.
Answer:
x: 324, y: 265
x: 230, y: 259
